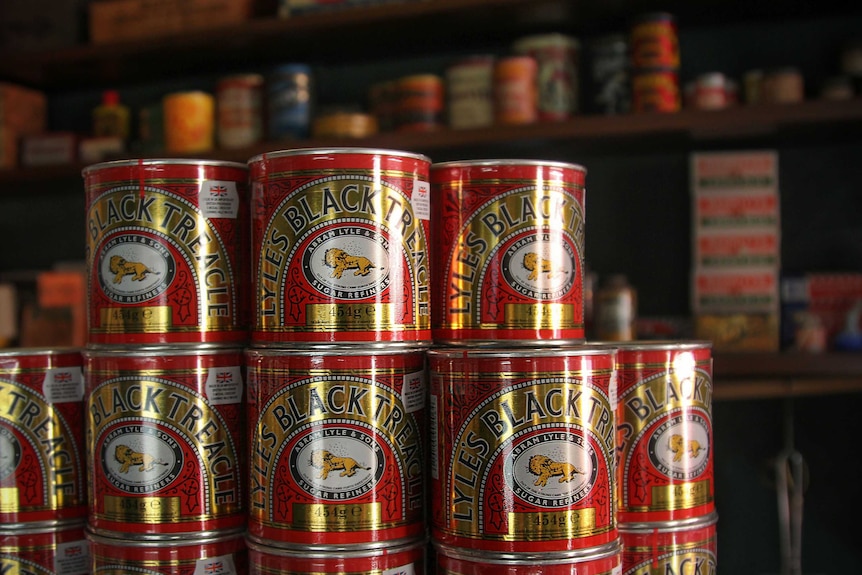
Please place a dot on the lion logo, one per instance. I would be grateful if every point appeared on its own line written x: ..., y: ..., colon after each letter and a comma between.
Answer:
x: 128, y: 457
x: 545, y: 468
x: 326, y: 462
x: 537, y: 265
x: 121, y: 268
x: 341, y: 261
x: 679, y: 447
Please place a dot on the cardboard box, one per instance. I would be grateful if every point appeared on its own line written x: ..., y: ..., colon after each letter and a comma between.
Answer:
x: 129, y: 20
x: 35, y: 25
x: 22, y: 110
x: 739, y: 331
x: 735, y: 290
x: 828, y: 298
x: 63, y: 294
x: 49, y: 149
x: 8, y: 148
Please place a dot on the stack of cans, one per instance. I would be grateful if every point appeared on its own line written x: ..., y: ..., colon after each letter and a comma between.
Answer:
x: 522, y: 411
x: 666, y: 494
x: 655, y: 58
x: 167, y: 244
x: 43, y: 499
x: 336, y: 366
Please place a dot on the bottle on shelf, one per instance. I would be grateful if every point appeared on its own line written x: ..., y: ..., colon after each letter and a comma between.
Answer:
x: 111, y: 117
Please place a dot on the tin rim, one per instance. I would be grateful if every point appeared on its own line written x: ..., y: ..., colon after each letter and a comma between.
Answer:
x: 528, y: 558
x: 673, y: 526
x: 512, y: 162
x: 40, y: 351
x: 162, y: 161
x: 659, y: 345
x: 157, y: 351
x: 357, y: 551
x: 471, y: 351
x: 107, y: 537
x: 337, y: 151
x: 351, y: 349
x: 37, y: 527
x: 513, y: 343
x: 553, y: 39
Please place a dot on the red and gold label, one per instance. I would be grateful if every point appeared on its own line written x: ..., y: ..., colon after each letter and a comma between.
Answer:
x: 207, y: 554
x: 664, y: 421
x: 394, y: 560
x: 509, y: 251
x: 62, y: 550
x: 341, y: 246
x: 522, y: 449
x: 654, y: 42
x: 663, y: 549
x: 42, y: 472
x: 337, y: 452
x: 656, y: 91
x: 167, y: 246
x: 165, y: 441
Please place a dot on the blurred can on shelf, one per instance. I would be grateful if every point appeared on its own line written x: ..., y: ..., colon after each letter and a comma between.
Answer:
x: 610, y: 84
x: 470, y: 92
x: 43, y: 477
x: 557, y: 58
x: 343, y: 124
x: 383, y: 102
x: 508, y: 251
x: 337, y: 446
x: 167, y: 243
x: 341, y: 246
x: 710, y: 91
x: 782, y: 86
x: 616, y: 304
x: 664, y: 431
x: 289, y: 100
x: 654, y: 41
x: 523, y: 446
x: 216, y: 553
x: 656, y: 91
x: 516, y: 94
x: 671, y: 547
x: 420, y: 103
x: 166, y: 442
x: 239, y: 109
x: 44, y: 548
x: 189, y: 119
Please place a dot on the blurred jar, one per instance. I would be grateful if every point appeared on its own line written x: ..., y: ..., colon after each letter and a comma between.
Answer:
x: 783, y: 86
x: 616, y: 310
x: 189, y: 121
x: 515, y: 90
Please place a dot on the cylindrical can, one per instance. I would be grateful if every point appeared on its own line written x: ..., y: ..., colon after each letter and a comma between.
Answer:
x: 405, y: 558
x: 220, y: 552
x: 654, y: 41
x: 165, y: 441
x: 664, y: 438
x: 508, y: 251
x: 557, y: 57
x: 656, y: 91
x: 167, y: 245
x: 289, y: 100
x: 337, y: 446
x: 516, y: 91
x: 420, y: 102
x: 341, y: 246
x: 44, y: 548
x: 610, y: 87
x: 783, y: 86
x: 710, y: 91
x: 616, y: 306
x: 671, y: 547
x: 470, y: 92
x: 522, y: 448
x: 43, y: 476
x: 189, y: 122
x: 239, y: 106
x: 343, y: 124
x: 600, y: 560
x: 383, y: 102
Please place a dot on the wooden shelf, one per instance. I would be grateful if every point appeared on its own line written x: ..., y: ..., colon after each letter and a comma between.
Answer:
x: 806, y: 121
x: 739, y: 376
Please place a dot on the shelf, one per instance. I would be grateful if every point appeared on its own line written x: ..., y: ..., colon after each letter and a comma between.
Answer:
x: 806, y: 121
x: 739, y: 376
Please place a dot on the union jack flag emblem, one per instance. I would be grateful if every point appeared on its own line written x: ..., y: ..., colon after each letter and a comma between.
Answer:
x: 63, y: 377
x: 215, y: 567
x: 73, y: 551
x: 218, y: 190
x: 224, y: 377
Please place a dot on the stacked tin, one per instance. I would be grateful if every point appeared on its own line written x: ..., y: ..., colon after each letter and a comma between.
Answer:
x: 655, y: 60
x: 522, y: 411
x: 167, y: 244
x: 336, y: 366
x: 43, y: 498
x: 665, y: 473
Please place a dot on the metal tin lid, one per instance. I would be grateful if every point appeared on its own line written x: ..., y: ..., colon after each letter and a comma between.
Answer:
x: 505, y: 349
x: 491, y: 163
x: 260, y: 158
x: 539, y: 41
x: 669, y: 526
x: 130, y: 163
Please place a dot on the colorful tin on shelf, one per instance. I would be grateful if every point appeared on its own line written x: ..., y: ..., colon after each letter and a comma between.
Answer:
x: 166, y: 442
x: 557, y: 57
x: 190, y: 122
x: 508, y: 251
x: 167, y: 245
x: 688, y: 546
x: 341, y: 246
x: 522, y: 444
x: 516, y: 91
x: 239, y: 109
x: 664, y: 420
x: 654, y: 41
x: 42, y: 469
x: 337, y: 446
